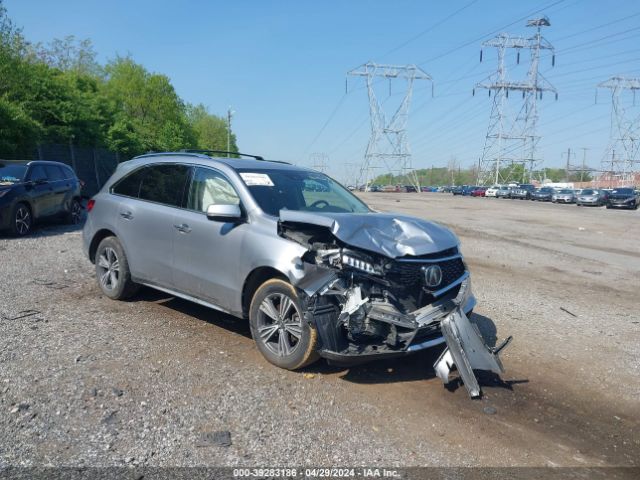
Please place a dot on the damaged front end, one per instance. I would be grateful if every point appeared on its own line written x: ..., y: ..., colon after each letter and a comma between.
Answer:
x: 369, y: 304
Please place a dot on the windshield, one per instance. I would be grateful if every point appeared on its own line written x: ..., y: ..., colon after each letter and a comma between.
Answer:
x: 623, y: 191
x: 588, y: 192
x: 11, y: 173
x: 300, y: 190
x: 566, y: 191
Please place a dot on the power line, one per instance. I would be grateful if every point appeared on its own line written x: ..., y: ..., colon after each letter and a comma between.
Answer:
x: 333, y: 113
x: 498, y: 30
x: 429, y: 29
x: 597, y: 67
x: 582, y: 32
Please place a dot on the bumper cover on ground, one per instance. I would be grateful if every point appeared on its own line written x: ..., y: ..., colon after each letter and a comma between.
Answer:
x: 466, y: 350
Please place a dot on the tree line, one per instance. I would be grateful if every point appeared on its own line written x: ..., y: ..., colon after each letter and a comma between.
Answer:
x: 455, y: 175
x: 58, y: 93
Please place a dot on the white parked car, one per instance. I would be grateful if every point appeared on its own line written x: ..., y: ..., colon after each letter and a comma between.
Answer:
x: 491, y: 191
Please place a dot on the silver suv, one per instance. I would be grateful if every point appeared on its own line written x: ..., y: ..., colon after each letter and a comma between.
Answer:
x: 314, y: 270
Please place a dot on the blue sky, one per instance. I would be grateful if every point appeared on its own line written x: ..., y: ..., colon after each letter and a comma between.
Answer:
x: 281, y: 65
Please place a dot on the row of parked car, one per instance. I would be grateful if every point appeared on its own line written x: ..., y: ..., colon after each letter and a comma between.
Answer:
x: 611, y: 198
x: 396, y: 188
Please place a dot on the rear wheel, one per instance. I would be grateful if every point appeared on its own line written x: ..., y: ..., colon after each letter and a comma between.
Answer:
x: 74, y: 216
x: 282, y: 335
x: 112, y: 270
x: 21, y: 220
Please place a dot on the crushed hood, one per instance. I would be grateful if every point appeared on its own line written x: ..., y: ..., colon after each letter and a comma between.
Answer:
x: 388, y: 234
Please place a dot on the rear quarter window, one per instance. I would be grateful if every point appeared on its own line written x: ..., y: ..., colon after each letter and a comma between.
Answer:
x: 68, y: 172
x: 129, y: 186
x: 54, y: 173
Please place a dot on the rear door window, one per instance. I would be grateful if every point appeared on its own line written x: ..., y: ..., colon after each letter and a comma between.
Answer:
x: 37, y: 173
x: 165, y: 183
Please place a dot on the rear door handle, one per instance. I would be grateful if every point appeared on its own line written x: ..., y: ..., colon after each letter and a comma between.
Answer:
x: 127, y: 215
x: 184, y: 228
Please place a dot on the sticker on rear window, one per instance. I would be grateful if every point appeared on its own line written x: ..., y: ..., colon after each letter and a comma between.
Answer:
x: 260, y: 179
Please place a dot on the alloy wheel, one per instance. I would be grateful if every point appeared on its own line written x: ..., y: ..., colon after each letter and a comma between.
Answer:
x: 108, y: 269
x: 23, y: 220
x: 279, y: 324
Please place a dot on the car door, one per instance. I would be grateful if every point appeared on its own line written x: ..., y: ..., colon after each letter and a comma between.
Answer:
x: 151, y: 196
x: 60, y: 187
x: 206, y: 252
x: 40, y: 191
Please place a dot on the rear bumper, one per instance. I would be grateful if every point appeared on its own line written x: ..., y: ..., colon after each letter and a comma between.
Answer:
x: 87, y: 235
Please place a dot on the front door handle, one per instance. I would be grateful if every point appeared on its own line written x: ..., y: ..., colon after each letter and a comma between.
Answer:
x: 183, y: 228
x: 127, y: 215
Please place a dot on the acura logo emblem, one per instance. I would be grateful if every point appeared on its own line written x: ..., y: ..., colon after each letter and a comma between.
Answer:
x: 432, y: 276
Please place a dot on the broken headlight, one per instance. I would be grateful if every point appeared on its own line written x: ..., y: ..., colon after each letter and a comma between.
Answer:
x: 360, y: 262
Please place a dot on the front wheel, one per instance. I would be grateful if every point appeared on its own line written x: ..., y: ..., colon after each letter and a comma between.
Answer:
x: 282, y: 335
x: 21, y: 220
x: 112, y: 270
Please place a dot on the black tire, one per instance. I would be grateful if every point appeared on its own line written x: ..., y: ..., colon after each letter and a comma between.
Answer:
x: 116, y: 282
x: 608, y: 207
x: 281, y: 300
x: 74, y: 215
x: 21, y: 220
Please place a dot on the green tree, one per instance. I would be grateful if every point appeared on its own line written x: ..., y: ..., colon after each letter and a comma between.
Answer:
x: 211, y: 131
x: 68, y: 54
x: 147, y: 113
x: 58, y: 93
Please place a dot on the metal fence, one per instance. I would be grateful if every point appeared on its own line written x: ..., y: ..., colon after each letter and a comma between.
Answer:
x: 92, y: 165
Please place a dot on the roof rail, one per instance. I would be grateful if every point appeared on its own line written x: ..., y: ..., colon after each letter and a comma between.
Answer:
x: 204, y: 154
x: 207, y: 152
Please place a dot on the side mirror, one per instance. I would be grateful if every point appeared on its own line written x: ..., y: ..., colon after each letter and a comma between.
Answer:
x: 224, y: 213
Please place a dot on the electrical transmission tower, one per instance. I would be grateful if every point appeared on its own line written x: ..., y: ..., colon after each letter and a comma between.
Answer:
x: 388, y: 145
x: 510, y: 144
x: 319, y: 162
x: 621, y: 159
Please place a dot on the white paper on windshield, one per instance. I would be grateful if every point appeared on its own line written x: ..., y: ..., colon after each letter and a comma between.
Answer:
x: 260, y: 179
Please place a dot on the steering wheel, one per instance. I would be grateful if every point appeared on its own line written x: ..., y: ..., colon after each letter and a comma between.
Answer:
x: 317, y: 204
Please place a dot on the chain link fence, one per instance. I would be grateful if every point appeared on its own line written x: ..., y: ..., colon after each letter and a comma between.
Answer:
x: 92, y: 165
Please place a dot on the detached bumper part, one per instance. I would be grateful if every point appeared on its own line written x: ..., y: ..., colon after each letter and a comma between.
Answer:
x: 467, y: 351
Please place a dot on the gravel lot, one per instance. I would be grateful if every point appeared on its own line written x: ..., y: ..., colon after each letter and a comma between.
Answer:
x: 88, y: 381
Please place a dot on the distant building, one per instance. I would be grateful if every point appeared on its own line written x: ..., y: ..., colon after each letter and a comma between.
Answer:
x: 608, y: 180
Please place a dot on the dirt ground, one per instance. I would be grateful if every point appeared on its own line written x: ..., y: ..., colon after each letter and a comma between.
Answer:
x: 88, y: 381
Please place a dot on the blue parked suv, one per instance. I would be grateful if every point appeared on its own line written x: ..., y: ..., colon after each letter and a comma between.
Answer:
x: 30, y: 191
